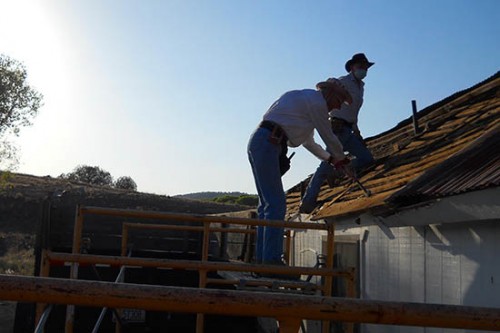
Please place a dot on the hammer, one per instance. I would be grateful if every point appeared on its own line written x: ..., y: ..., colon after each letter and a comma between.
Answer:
x: 364, y: 189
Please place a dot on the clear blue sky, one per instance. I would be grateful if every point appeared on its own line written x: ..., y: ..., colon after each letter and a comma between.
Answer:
x: 168, y: 92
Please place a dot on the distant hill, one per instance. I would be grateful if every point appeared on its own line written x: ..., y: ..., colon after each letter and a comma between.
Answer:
x: 208, y: 195
x: 22, y: 198
x: 25, y: 200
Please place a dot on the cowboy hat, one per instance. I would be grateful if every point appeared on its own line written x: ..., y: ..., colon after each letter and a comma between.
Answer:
x: 358, y: 58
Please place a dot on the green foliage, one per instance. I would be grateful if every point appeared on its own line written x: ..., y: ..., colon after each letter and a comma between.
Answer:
x: 245, y: 200
x: 248, y: 200
x: 5, y: 177
x: 94, y: 175
x: 226, y: 199
x: 89, y: 174
x: 19, y: 103
x: 126, y: 183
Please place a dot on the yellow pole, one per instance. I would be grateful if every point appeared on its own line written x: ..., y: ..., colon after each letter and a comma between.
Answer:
x: 200, y: 318
x: 289, y: 325
x: 330, y: 255
x: 185, y: 228
x: 200, y: 218
x: 73, y: 274
x: 125, y: 227
x: 193, y: 265
x: 44, y: 272
x: 288, y: 247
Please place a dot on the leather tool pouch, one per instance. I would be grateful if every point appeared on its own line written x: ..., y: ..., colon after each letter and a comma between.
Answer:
x: 278, y: 137
x: 284, y: 160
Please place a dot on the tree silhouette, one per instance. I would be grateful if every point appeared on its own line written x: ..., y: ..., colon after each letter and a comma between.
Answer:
x: 89, y: 174
x: 126, y: 183
x: 19, y: 103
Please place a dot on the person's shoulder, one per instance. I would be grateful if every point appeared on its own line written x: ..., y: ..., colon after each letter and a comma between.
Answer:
x: 344, y: 78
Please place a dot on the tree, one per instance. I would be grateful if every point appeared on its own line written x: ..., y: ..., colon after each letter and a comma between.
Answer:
x: 245, y: 200
x: 126, y: 183
x: 228, y: 199
x: 89, y: 174
x: 248, y: 200
x: 19, y: 103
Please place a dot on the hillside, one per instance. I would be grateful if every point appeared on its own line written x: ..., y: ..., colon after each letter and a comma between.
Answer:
x: 208, y: 195
x: 22, y: 200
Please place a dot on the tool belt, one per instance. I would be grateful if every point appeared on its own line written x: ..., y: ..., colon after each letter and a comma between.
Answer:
x: 338, y: 125
x: 278, y: 137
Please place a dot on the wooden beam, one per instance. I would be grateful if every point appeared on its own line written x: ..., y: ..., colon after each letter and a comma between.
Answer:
x: 194, y: 265
x: 254, y: 304
x: 199, y: 218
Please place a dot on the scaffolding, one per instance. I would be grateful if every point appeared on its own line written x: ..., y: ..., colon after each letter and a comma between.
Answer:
x: 288, y: 309
x: 209, y: 225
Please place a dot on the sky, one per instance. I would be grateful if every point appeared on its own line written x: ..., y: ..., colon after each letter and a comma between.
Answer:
x: 168, y: 92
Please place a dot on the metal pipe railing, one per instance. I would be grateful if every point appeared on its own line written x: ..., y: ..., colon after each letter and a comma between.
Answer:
x: 286, y: 308
x: 119, y: 278
x: 43, y: 319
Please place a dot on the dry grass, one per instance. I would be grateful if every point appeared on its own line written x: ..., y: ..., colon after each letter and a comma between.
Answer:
x: 17, y: 253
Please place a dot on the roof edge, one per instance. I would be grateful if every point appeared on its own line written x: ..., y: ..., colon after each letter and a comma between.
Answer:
x: 436, y: 105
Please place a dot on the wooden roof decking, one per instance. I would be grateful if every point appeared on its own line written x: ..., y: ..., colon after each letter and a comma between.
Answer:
x: 447, y: 128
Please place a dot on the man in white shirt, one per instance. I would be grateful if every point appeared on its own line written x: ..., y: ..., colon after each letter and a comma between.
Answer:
x: 344, y: 122
x: 290, y: 121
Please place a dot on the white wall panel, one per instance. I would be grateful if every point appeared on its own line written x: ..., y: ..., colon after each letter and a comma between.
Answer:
x: 455, y: 263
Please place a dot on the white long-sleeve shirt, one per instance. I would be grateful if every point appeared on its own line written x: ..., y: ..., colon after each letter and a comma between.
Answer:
x: 349, y: 112
x: 299, y: 112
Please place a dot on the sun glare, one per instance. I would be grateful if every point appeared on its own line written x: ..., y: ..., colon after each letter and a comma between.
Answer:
x: 31, y: 34
x: 28, y: 35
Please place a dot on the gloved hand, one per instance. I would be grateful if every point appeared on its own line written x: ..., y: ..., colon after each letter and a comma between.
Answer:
x: 345, y: 166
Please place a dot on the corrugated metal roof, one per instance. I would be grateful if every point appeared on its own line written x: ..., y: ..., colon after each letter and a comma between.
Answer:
x: 473, y: 168
x: 451, y: 128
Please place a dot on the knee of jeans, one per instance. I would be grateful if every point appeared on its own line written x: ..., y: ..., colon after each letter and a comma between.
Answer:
x: 362, y: 161
x: 307, y: 206
x: 365, y: 161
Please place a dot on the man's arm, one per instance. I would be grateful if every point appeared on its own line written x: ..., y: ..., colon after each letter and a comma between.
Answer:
x: 322, y: 125
x: 315, y: 148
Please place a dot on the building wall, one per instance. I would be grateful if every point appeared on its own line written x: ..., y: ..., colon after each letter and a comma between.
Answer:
x: 456, y: 263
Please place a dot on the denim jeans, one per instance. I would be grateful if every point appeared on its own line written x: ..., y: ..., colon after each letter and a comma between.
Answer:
x: 264, y: 159
x: 351, y: 143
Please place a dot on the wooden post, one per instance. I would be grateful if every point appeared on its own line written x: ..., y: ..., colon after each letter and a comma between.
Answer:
x: 44, y: 272
x: 73, y: 274
x: 289, y: 325
x: 200, y: 318
x: 330, y: 255
x: 351, y: 292
x: 124, y: 239
x: 288, y: 247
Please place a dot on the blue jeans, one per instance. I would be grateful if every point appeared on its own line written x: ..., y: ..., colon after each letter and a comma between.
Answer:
x: 355, y: 146
x: 264, y: 159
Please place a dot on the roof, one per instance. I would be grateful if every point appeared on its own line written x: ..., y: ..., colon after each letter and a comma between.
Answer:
x: 473, y: 168
x: 456, y: 152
